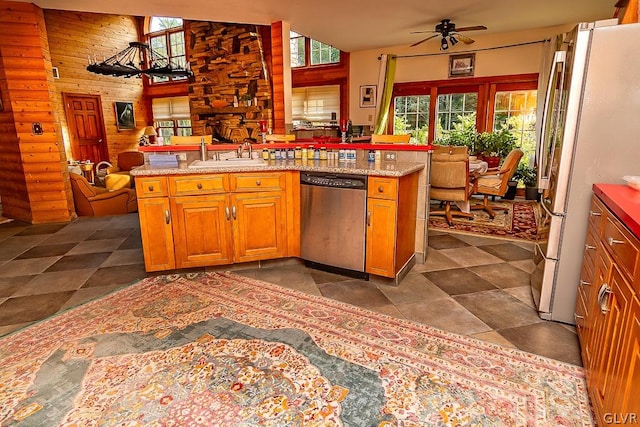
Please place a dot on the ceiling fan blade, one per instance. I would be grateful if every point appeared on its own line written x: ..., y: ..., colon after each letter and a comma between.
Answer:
x: 422, y: 32
x: 424, y: 40
x: 464, y: 39
x: 477, y: 27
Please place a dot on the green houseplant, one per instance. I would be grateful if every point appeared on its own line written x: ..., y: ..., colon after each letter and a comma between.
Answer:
x: 528, y: 176
x: 495, y: 145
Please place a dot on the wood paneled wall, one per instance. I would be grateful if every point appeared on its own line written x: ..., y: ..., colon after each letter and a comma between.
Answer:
x: 73, y: 38
x: 277, y: 76
x: 32, y: 184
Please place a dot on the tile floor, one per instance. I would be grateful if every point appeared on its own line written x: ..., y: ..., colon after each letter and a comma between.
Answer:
x: 469, y: 285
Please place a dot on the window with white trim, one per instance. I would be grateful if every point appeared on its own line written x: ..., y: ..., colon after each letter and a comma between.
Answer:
x: 172, y: 116
x: 318, y: 105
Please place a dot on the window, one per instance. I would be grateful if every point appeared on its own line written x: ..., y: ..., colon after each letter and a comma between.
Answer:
x: 452, y: 108
x: 412, y: 116
x: 319, y: 104
x: 516, y: 110
x: 167, y: 39
x: 306, y: 52
x: 172, y: 116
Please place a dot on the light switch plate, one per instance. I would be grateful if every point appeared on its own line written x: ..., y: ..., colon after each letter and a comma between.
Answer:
x: 36, y: 128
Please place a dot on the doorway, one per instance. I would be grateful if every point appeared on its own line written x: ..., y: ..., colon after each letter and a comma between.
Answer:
x: 86, y: 127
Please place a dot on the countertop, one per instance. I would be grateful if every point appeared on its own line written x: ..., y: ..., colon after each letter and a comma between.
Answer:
x: 293, y: 144
x: 360, y: 167
x: 623, y: 201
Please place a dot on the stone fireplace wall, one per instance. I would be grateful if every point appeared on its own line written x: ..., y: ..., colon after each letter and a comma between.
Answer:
x: 230, y: 91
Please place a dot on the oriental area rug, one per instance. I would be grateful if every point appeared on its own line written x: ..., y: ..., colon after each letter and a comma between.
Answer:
x: 217, y: 349
x: 521, y: 221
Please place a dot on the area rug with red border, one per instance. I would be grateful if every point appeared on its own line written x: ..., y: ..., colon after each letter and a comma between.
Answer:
x: 223, y: 350
x: 520, y: 221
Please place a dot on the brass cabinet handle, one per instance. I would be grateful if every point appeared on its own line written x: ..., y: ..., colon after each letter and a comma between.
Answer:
x: 381, y: 189
x: 587, y: 246
x: 592, y: 213
x: 613, y: 241
x: 368, y: 218
x: 233, y: 212
x: 577, y: 316
x: 167, y: 216
x: 227, y: 213
x: 258, y: 182
x: 585, y: 283
x: 199, y: 186
x: 151, y: 188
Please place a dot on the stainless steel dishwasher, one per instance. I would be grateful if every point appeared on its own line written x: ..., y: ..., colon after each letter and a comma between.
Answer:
x: 333, y: 220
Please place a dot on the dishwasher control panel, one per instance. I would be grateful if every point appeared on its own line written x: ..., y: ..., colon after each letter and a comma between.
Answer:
x: 334, y: 180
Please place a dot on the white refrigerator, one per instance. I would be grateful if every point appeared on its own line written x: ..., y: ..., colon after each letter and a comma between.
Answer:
x: 589, y: 132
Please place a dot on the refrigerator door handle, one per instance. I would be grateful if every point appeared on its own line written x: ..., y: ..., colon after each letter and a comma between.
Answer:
x: 558, y: 58
x: 548, y: 211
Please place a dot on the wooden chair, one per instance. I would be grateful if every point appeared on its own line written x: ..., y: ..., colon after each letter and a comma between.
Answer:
x: 280, y: 138
x: 494, y: 181
x: 450, y: 181
x: 390, y: 139
x: 96, y: 201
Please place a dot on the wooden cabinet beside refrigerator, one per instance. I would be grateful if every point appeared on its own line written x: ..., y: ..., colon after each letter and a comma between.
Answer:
x: 608, y: 317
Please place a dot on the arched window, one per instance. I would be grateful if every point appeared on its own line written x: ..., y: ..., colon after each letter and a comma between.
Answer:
x: 166, y: 37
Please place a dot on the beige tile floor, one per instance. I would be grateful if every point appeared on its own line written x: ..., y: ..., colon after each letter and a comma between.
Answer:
x: 470, y: 285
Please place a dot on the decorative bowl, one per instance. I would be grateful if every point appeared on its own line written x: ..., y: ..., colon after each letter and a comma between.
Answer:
x: 632, y: 181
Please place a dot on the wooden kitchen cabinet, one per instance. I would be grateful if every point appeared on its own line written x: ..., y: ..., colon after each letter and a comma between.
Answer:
x: 391, y: 223
x: 214, y: 219
x: 607, y: 315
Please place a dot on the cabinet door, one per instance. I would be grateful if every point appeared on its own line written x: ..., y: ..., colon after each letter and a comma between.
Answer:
x: 202, y: 230
x: 626, y: 399
x: 259, y: 226
x: 613, y: 306
x: 381, y: 237
x: 157, y: 236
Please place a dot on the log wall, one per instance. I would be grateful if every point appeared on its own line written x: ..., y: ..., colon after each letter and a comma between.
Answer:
x: 33, y: 187
x: 73, y: 38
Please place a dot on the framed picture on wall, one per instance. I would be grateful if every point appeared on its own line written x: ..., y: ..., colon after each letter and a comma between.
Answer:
x: 125, y: 118
x: 367, y: 96
x: 461, y: 65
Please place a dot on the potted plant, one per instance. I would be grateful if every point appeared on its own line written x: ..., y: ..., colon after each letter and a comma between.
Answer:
x: 528, y: 176
x: 495, y: 145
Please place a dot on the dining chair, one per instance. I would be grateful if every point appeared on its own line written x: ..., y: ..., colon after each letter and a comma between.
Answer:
x: 378, y: 138
x: 494, y: 181
x: 450, y: 181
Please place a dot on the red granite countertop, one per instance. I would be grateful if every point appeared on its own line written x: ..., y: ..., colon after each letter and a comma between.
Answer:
x: 623, y: 201
x: 293, y: 144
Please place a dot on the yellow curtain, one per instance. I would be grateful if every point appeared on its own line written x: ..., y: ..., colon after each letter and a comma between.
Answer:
x: 387, y: 89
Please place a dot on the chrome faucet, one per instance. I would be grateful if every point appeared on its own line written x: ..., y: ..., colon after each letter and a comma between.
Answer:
x: 241, y: 147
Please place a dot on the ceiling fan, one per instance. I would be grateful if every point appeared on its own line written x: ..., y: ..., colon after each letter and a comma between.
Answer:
x: 447, y: 29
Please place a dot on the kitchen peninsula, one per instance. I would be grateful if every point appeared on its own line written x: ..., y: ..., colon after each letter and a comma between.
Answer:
x: 215, y: 215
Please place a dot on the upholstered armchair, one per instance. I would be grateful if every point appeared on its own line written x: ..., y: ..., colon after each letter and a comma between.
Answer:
x: 494, y: 181
x: 90, y: 200
x: 118, y: 176
x: 450, y: 180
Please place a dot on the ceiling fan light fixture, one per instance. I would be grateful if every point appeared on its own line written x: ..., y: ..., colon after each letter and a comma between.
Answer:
x: 453, y: 40
x: 443, y: 44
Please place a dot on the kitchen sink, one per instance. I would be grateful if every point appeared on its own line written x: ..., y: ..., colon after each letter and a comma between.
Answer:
x: 228, y: 163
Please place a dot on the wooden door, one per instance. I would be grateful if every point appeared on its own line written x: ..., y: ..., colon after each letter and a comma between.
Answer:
x: 86, y: 127
x: 201, y: 230
x: 381, y: 237
x: 259, y: 226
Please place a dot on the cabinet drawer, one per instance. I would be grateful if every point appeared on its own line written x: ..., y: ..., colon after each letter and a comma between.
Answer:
x: 590, y: 247
x: 154, y: 186
x: 257, y: 181
x: 197, y: 184
x: 596, y: 215
x: 621, y: 244
x: 383, y: 188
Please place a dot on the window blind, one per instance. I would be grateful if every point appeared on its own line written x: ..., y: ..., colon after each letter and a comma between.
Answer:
x: 175, y: 108
x: 315, y: 103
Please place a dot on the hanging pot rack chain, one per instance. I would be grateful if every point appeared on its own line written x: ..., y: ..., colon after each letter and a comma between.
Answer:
x: 128, y: 62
